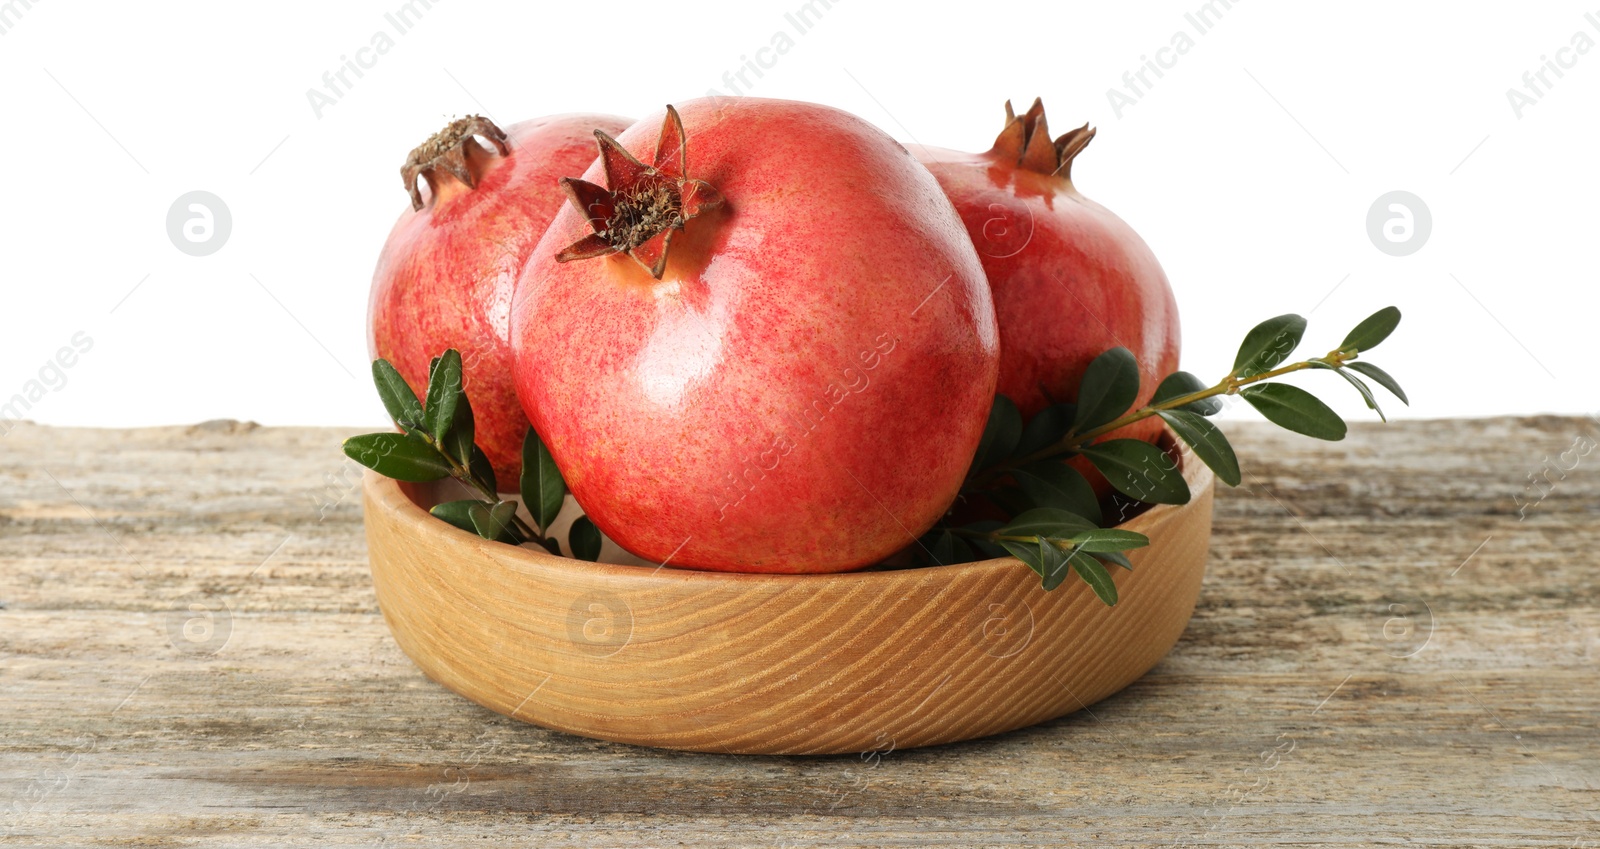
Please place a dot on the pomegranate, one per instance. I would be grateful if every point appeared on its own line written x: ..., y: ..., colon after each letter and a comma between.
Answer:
x: 770, y: 349
x: 445, y: 277
x: 1070, y: 279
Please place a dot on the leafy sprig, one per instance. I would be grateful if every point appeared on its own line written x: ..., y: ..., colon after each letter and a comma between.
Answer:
x: 436, y: 441
x: 1057, y: 517
x: 1057, y: 525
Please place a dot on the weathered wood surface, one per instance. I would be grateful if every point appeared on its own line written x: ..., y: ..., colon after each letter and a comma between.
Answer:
x: 1385, y: 652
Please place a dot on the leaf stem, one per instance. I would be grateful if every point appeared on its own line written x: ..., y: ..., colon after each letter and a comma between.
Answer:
x: 1229, y: 385
x: 465, y: 475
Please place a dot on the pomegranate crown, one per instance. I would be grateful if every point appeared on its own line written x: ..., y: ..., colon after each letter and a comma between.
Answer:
x: 1026, y: 141
x: 447, y: 151
x: 644, y: 204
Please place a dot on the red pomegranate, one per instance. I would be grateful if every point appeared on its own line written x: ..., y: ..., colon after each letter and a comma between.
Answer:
x: 445, y: 277
x: 1070, y: 279
x: 764, y: 345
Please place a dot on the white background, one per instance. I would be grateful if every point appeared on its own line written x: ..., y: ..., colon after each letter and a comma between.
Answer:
x: 1249, y: 167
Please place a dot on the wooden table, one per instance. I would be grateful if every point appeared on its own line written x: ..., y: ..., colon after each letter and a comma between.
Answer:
x: 1385, y: 652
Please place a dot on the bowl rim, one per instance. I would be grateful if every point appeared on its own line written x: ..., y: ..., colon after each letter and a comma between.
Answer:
x: 396, y: 497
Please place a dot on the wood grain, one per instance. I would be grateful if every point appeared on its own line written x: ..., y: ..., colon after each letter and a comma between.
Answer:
x: 1288, y: 713
x: 872, y: 661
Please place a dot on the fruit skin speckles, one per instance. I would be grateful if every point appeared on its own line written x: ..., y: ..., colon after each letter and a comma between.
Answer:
x: 445, y: 277
x: 735, y: 487
x: 803, y: 388
x: 1070, y: 279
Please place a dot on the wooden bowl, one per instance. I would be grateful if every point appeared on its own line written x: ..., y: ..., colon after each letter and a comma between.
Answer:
x: 773, y: 664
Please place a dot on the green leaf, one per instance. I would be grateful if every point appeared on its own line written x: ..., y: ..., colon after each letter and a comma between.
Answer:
x: 1181, y: 383
x: 1029, y: 552
x: 504, y: 515
x: 397, y: 397
x: 1045, y: 429
x: 941, y: 547
x: 937, y: 546
x: 1096, y: 576
x: 1372, y: 330
x: 1109, y: 388
x: 458, y: 441
x: 1361, y: 386
x: 1115, y: 558
x: 1009, y: 499
x: 1054, y: 560
x: 1380, y: 377
x: 1000, y: 435
x: 543, y: 490
x: 1103, y: 540
x: 1052, y: 483
x: 987, y: 547
x: 493, y: 523
x: 961, y: 552
x: 482, y: 469
x: 1139, y: 470
x: 1207, y: 441
x: 402, y: 456
x: 1295, y: 409
x: 584, y: 539
x: 1048, y: 522
x: 1268, y: 344
x: 444, y: 390
x: 456, y: 513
